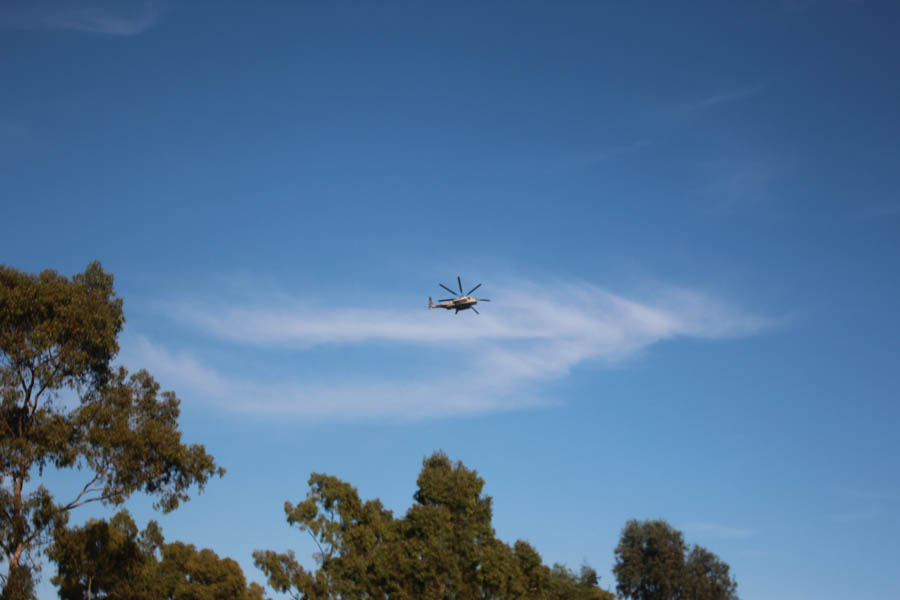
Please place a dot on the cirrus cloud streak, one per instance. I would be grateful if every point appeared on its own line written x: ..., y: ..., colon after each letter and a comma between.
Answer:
x: 529, y: 336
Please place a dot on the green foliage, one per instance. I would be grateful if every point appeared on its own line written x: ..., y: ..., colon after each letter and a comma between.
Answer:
x: 352, y: 538
x: 112, y: 560
x: 59, y: 336
x: 107, y: 558
x: 707, y: 577
x: 444, y: 547
x: 652, y: 563
x: 567, y: 585
x: 448, y: 532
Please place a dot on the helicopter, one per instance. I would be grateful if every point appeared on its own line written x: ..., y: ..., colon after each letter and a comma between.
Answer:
x: 461, y: 302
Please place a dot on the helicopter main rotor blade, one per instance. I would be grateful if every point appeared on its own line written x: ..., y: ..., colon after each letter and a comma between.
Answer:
x: 446, y: 288
x: 473, y: 289
x: 475, y: 309
x: 447, y: 300
x: 459, y: 280
x: 482, y: 299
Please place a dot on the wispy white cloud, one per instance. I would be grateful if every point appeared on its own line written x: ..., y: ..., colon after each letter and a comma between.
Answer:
x: 728, y: 95
x: 338, y: 400
x: 853, y: 516
x: 875, y: 495
x: 739, y: 181
x: 870, y: 504
x: 882, y: 210
x: 605, y: 154
x: 718, y: 530
x: 106, y: 17
x: 526, y: 337
x: 525, y: 312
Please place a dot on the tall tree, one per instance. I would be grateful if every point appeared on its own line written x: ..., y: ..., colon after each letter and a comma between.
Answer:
x: 448, y: 531
x: 63, y: 406
x: 652, y: 563
x: 443, y: 548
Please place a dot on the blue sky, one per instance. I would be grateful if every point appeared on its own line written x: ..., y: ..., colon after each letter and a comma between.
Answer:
x: 686, y: 218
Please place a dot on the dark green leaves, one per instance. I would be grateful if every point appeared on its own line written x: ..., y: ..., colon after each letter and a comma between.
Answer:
x: 112, y: 560
x: 707, y: 577
x: 107, y: 558
x: 652, y: 564
x: 444, y: 547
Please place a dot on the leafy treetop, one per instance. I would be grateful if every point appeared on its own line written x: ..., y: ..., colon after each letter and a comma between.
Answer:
x: 443, y: 548
x: 111, y: 559
x: 653, y: 563
x: 60, y: 335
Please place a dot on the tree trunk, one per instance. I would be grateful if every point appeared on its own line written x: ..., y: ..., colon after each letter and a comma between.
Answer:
x: 18, y: 583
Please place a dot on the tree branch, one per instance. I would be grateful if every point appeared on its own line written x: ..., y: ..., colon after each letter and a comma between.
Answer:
x: 43, y: 388
x: 86, y: 489
x: 322, y: 552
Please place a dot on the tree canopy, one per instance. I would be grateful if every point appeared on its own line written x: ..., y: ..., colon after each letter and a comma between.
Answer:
x: 111, y: 559
x: 444, y: 547
x: 64, y: 406
x: 653, y: 563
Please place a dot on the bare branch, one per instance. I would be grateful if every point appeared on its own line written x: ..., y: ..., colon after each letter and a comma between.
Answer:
x: 322, y: 552
x: 85, y: 490
x: 101, y: 498
x: 43, y: 388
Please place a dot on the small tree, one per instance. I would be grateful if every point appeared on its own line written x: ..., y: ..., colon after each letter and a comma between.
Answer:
x: 707, y: 577
x: 650, y: 561
x: 652, y: 564
x: 60, y: 335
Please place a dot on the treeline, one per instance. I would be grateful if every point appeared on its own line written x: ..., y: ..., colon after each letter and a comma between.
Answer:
x: 61, y: 334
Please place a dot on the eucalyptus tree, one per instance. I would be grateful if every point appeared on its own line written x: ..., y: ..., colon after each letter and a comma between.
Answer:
x: 443, y: 548
x: 64, y: 406
x: 355, y: 542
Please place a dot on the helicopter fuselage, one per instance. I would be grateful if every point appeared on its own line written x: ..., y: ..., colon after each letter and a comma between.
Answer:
x: 457, y: 304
